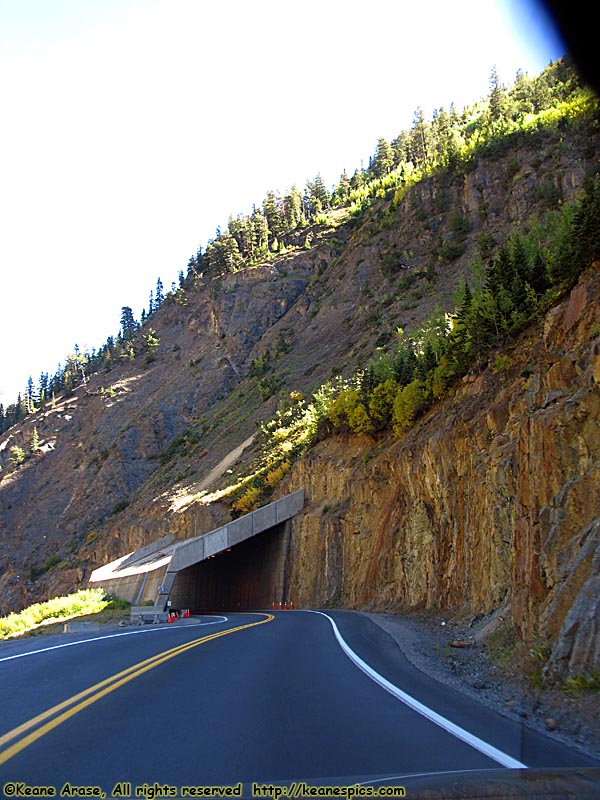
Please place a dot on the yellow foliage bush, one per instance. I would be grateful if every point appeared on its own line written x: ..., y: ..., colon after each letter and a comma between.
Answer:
x: 275, y: 475
x: 409, y: 402
x: 248, y: 501
x: 359, y: 420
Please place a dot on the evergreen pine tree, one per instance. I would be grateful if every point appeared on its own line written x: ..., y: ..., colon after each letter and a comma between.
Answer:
x: 159, y: 294
x: 500, y: 273
x: 273, y: 214
x: 151, y: 342
x: 519, y: 297
x: 405, y: 365
x: 293, y: 208
x: 497, y: 98
x: 520, y: 96
x: 460, y: 338
x: 538, y: 274
x: 419, y: 138
x: 192, y: 268
x: 426, y: 362
x: 43, y: 388
x: 30, y: 396
x: 342, y: 190
x: 128, y: 324
x: 402, y: 149
x: 260, y: 233
x: 231, y: 252
x: 358, y: 179
x: 35, y: 441
x: 383, y: 162
x: 582, y: 246
x: 519, y: 257
x: 320, y: 195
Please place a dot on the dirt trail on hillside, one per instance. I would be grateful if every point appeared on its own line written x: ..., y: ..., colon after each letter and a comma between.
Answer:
x: 192, y: 493
x: 224, y: 464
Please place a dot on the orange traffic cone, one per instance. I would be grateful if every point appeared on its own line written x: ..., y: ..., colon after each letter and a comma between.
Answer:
x: 285, y: 606
x: 170, y: 618
x: 291, y: 606
x: 273, y: 606
x: 280, y: 605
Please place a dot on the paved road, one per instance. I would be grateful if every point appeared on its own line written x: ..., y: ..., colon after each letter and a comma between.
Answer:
x: 253, y: 697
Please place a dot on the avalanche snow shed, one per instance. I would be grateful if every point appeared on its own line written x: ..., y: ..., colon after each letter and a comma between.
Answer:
x: 241, y: 565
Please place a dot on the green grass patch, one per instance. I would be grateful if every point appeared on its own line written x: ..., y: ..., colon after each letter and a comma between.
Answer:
x: 502, y: 648
x: 86, y: 601
x: 584, y: 682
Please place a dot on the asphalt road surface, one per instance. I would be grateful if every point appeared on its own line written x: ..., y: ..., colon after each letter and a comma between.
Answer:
x: 258, y: 697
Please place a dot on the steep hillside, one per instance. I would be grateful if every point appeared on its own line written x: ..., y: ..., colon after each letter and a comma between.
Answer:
x: 124, y: 460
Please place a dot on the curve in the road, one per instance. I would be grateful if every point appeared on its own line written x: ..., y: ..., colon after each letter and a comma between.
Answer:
x: 214, y: 621
x: 474, y: 741
x: 73, y: 705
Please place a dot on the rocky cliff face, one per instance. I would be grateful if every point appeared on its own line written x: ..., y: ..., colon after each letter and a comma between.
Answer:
x: 492, y: 499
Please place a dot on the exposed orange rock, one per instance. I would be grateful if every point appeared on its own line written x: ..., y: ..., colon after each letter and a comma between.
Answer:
x: 494, y: 495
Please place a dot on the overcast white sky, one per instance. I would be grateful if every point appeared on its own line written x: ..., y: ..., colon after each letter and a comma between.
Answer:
x: 131, y: 129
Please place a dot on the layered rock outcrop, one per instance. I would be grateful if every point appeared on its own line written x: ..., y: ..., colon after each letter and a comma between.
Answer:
x: 493, y: 497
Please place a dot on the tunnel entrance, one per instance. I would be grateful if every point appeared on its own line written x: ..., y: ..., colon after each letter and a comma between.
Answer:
x: 241, y: 565
x: 249, y: 575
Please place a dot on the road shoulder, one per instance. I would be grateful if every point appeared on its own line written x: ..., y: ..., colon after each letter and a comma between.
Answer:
x: 427, y: 643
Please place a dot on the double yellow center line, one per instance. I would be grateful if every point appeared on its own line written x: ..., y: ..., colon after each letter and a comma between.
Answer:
x: 61, y: 712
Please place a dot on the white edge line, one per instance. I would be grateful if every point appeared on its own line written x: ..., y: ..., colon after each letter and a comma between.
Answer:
x: 112, y: 636
x: 387, y: 778
x: 460, y: 733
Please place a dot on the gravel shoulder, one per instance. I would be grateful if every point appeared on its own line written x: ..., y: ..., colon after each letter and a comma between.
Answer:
x: 433, y: 646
